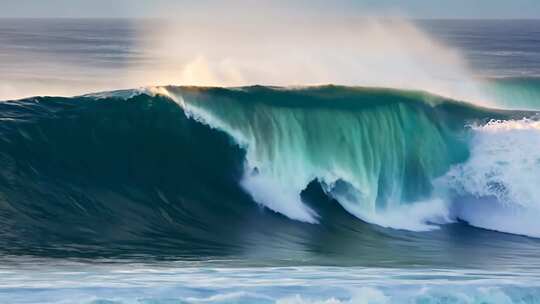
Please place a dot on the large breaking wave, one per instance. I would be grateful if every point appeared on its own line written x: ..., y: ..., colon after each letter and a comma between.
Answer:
x: 377, y: 152
x: 173, y: 166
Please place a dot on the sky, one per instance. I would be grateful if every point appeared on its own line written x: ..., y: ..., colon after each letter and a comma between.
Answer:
x: 481, y: 9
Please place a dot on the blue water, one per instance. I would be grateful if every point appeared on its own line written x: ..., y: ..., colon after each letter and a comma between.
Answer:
x: 260, y: 194
x: 495, y: 48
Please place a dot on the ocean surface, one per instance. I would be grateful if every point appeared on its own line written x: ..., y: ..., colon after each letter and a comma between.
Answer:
x: 113, y: 192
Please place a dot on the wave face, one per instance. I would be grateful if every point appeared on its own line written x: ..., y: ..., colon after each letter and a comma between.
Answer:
x: 375, y: 151
x: 372, y: 150
x: 185, y: 170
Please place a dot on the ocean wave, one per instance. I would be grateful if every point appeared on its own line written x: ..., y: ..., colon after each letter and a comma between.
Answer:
x: 375, y: 151
x: 205, y: 171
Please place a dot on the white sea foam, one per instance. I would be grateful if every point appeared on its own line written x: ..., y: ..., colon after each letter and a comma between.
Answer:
x: 499, y: 186
x: 95, y: 284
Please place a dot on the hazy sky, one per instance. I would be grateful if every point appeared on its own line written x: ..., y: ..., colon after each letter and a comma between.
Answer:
x: 260, y: 9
